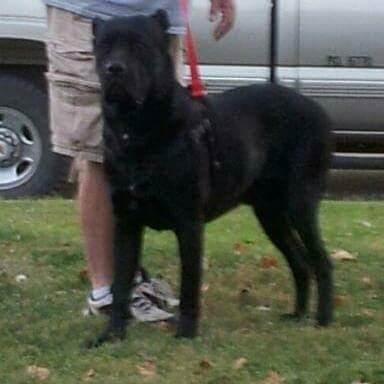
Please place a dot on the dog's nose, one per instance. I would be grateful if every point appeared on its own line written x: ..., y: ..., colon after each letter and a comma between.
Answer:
x: 115, y: 68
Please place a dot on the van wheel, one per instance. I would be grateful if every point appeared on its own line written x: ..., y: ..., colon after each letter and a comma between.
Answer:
x: 28, y: 168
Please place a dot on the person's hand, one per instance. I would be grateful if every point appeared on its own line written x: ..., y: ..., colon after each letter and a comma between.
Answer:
x: 222, y: 12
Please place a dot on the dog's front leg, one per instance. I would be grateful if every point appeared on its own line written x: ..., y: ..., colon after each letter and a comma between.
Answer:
x: 127, y: 247
x: 190, y: 239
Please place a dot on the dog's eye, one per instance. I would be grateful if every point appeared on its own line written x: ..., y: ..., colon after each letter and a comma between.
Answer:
x: 103, y: 45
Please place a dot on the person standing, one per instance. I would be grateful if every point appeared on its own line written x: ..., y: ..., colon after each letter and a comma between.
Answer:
x: 76, y: 127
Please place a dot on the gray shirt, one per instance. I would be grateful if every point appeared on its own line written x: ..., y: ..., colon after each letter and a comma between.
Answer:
x: 109, y: 8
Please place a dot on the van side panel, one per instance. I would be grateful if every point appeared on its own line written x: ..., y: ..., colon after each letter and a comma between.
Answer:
x: 341, y: 57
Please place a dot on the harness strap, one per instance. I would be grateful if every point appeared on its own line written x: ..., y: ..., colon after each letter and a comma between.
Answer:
x: 206, y: 130
x: 210, y: 122
x: 198, y: 90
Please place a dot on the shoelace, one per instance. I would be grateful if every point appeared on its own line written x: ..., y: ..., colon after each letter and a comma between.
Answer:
x: 142, y: 303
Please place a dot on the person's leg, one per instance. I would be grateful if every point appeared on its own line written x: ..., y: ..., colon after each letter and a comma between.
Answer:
x: 96, y: 222
x: 76, y: 126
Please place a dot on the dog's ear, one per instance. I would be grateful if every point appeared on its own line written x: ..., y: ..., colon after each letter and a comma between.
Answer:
x: 96, y: 23
x: 161, y: 18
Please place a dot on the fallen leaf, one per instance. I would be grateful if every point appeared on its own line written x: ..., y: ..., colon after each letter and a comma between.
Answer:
x: 39, y: 373
x: 245, y: 298
x: 239, y: 248
x: 21, y: 278
x: 83, y: 275
x: 264, y: 308
x: 147, y: 369
x: 368, y: 313
x: 283, y: 297
x: 339, y: 300
x: 65, y: 244
x: 268, y: 262
x: 206, y: 263
x: 342, y: 255
x: 145, y: 356
x: 244, y: 331
x: 367, y: 281
x: 273, y: 378
x: 244, y: 277
x: 163, y: 325
x: 205, y: 287
x: 3, y: 272
x: 205, y: 364
x: 239, y: 363
x: 89, y: 375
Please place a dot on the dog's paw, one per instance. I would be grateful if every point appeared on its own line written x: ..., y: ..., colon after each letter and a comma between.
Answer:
x: 323, y: 321
x: 324, y: 315
x: 186, y: 327
x: 110, y: 334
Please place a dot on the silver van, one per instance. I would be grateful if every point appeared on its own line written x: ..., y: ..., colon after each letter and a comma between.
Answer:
x: 332, y: 51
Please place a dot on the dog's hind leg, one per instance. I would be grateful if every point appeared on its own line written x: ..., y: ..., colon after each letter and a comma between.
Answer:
x: 278, y: 228
x: 304, y: 215
x: 306, y: 185
x: 127, y: 248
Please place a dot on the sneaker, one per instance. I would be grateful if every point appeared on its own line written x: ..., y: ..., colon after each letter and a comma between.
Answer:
x: 143, y: 309
x: 157, y: 290
x: 150, y: 296
x: 160, y: 292
x: 141, y: 306
x: 99, y: 306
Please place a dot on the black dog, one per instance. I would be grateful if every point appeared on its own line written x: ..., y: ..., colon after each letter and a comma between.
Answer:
x: 176, y: 163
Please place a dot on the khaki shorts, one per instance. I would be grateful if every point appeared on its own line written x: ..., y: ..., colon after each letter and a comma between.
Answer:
x: 74, y: 89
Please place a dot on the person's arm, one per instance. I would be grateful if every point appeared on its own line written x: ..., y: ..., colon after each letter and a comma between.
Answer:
x: 222, y: 12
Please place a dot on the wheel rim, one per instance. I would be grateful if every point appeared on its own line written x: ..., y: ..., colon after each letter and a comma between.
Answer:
x: 20, y: 148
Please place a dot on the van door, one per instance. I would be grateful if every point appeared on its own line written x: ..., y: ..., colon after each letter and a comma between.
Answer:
x: 341, y: 58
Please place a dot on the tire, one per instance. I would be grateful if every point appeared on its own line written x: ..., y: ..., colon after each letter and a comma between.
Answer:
x: 28, y: 167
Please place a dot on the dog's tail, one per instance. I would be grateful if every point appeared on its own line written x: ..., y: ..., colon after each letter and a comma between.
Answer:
x: 312, y: 156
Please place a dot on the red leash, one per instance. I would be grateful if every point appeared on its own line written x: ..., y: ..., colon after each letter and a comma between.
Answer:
x: 196, y: 86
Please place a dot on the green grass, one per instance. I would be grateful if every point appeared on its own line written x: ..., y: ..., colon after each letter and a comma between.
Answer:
x: 41, y: 322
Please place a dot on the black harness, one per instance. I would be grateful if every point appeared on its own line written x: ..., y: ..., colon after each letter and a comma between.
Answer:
x: 208, y: 129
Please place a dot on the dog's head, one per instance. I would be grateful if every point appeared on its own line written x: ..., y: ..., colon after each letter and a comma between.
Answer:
x: 132, y: 58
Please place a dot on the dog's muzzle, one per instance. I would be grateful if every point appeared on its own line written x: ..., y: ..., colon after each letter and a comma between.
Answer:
x: 115, y: 90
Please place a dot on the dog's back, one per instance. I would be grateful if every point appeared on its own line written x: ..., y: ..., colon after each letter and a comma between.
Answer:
x: 267, y: 135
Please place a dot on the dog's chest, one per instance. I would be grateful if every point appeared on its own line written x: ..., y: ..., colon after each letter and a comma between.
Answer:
x: 144, y: 191
x: 139, y: 180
